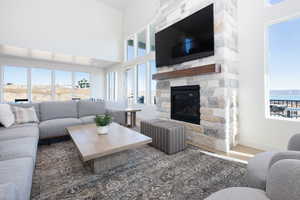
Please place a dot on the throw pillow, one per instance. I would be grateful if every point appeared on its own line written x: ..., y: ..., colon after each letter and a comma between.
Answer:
x: 25, y: 115
x: 7, y: 117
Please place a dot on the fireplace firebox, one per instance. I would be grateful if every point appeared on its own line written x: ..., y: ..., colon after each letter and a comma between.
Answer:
x: 185, y: 103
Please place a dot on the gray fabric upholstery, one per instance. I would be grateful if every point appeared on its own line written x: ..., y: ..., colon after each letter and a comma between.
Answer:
x: 258, y: 167
x: 18, y: 172
x: 8, y: 191
x: 283, y: 182
x: 56, y: 127
x: 284, y: 155
x: 58, y: 110
x: 167, y: 136
x: 88, y: 119
x: 19, y: 131
x: 18, y: 148
x: 294, y: 143
x: 88, y: 108
x: 239, y: 193
x: 118, y: 116
x: 28, y: 105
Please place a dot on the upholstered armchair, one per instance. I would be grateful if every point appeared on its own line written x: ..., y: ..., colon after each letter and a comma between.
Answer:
x: 283, y: 183
x: 260, y: 164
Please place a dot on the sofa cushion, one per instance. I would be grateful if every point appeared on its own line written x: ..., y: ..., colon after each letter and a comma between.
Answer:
x: 8, y: 191
x: 29, y: 105
x: 88, y: 108
x: 18, y: 148
x: 19, y: 131
x: 58, y: 110
x: 257, y: 170
x: 18, y: 172
x: 25, y: 115
x: 88, y: 119
x: 7, y: 117
x: 239, y: 193
x: 56, y: 127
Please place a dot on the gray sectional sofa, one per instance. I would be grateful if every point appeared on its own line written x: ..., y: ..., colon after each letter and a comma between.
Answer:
x: 18, y: 144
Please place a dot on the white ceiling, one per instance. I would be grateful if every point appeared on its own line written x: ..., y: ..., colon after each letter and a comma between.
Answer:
x: 119, y: 4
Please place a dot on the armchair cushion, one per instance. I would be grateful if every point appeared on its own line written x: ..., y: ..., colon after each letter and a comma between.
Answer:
x: 258, y: 167
x: 294, y: 143
x: 239, y: 193
x: 284, y: 155
x: 283, y: 180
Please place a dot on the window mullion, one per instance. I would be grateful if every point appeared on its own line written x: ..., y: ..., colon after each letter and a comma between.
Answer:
x: 29, y: 87
x: 53, y: 89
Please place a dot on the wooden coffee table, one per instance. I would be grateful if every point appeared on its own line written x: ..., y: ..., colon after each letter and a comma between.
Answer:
x: 105, y: 152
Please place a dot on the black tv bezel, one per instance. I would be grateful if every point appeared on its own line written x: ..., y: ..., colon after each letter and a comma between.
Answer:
x: 193, y: 56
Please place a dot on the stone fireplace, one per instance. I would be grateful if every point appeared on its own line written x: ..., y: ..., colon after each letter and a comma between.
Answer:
x: 213, y: 122
x: 185, y: 104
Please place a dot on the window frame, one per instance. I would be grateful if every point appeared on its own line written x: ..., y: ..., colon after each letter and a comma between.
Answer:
x: 267, y: 64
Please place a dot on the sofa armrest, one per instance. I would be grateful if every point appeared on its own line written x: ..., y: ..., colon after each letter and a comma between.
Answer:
x: 118, y: 116
x: 8, y: 191
x: 294, y: 143
x: 284, y: 155
x: 283, y: 180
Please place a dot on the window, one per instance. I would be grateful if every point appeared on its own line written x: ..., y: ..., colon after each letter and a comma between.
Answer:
x: 142, y: 47
x: 41, y: 87
x: 63, y: 85
x: 15, y: 83
x: 153, y: 82
x: 112, y: 86
x: 284, y: 72
x: 152, y: 38
x: 130, y: 49
x: 130, y: 84
x: 82, y: 85
x: 141, y: 83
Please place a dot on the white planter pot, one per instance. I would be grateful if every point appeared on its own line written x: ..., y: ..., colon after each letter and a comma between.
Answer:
x: 102, y: 130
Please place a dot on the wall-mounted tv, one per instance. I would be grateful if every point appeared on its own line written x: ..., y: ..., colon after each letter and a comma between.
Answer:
x: 189, y: 39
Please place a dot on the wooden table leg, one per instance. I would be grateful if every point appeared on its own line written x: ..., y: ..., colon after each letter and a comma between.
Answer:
x: 126, y: 118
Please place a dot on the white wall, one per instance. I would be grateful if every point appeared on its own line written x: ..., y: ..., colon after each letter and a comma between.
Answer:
x: 139, y: 13
x: 256, y: 130
x: 73, y: 27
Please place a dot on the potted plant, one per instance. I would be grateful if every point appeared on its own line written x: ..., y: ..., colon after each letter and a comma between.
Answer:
x: 102, y: 123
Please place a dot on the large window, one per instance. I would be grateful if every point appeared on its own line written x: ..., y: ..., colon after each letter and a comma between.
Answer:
x: 82, y: 85
x: 41, y: 85
x: 284, y: 71
x: 142, y: 43
x: 63, y: 85
x: 153, y: 82
x: 15, y: 83
x: 274, y: 1
x: 130, y: 49
x: 111, y: 86
x: 130, y: 85
x: 141, y: 83
x: 152, y: 38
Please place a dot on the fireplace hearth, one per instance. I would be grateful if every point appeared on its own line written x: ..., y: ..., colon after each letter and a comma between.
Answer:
x: 185, y: 103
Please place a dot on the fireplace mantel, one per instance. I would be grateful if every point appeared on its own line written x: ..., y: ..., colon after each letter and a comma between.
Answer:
x: 194, y: 71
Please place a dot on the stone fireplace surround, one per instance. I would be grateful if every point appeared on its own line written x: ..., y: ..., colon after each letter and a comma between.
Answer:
x: 218, y: 127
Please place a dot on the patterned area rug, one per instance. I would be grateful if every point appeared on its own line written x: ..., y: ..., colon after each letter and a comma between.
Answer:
x: 149, y: 174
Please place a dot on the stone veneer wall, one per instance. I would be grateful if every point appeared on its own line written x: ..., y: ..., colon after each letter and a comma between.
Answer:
x: 218, y: 127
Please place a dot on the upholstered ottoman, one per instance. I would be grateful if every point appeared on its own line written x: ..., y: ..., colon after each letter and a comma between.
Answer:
x: 167, y: 136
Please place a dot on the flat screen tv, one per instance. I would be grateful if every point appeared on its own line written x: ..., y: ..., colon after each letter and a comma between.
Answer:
x: 189, y: 39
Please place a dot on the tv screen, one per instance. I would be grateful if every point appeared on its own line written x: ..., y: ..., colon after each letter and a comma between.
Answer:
x: 188, y: 39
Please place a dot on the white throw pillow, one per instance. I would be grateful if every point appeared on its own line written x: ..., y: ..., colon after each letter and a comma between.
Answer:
x: 7, y: 117
x: 24, y: 115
